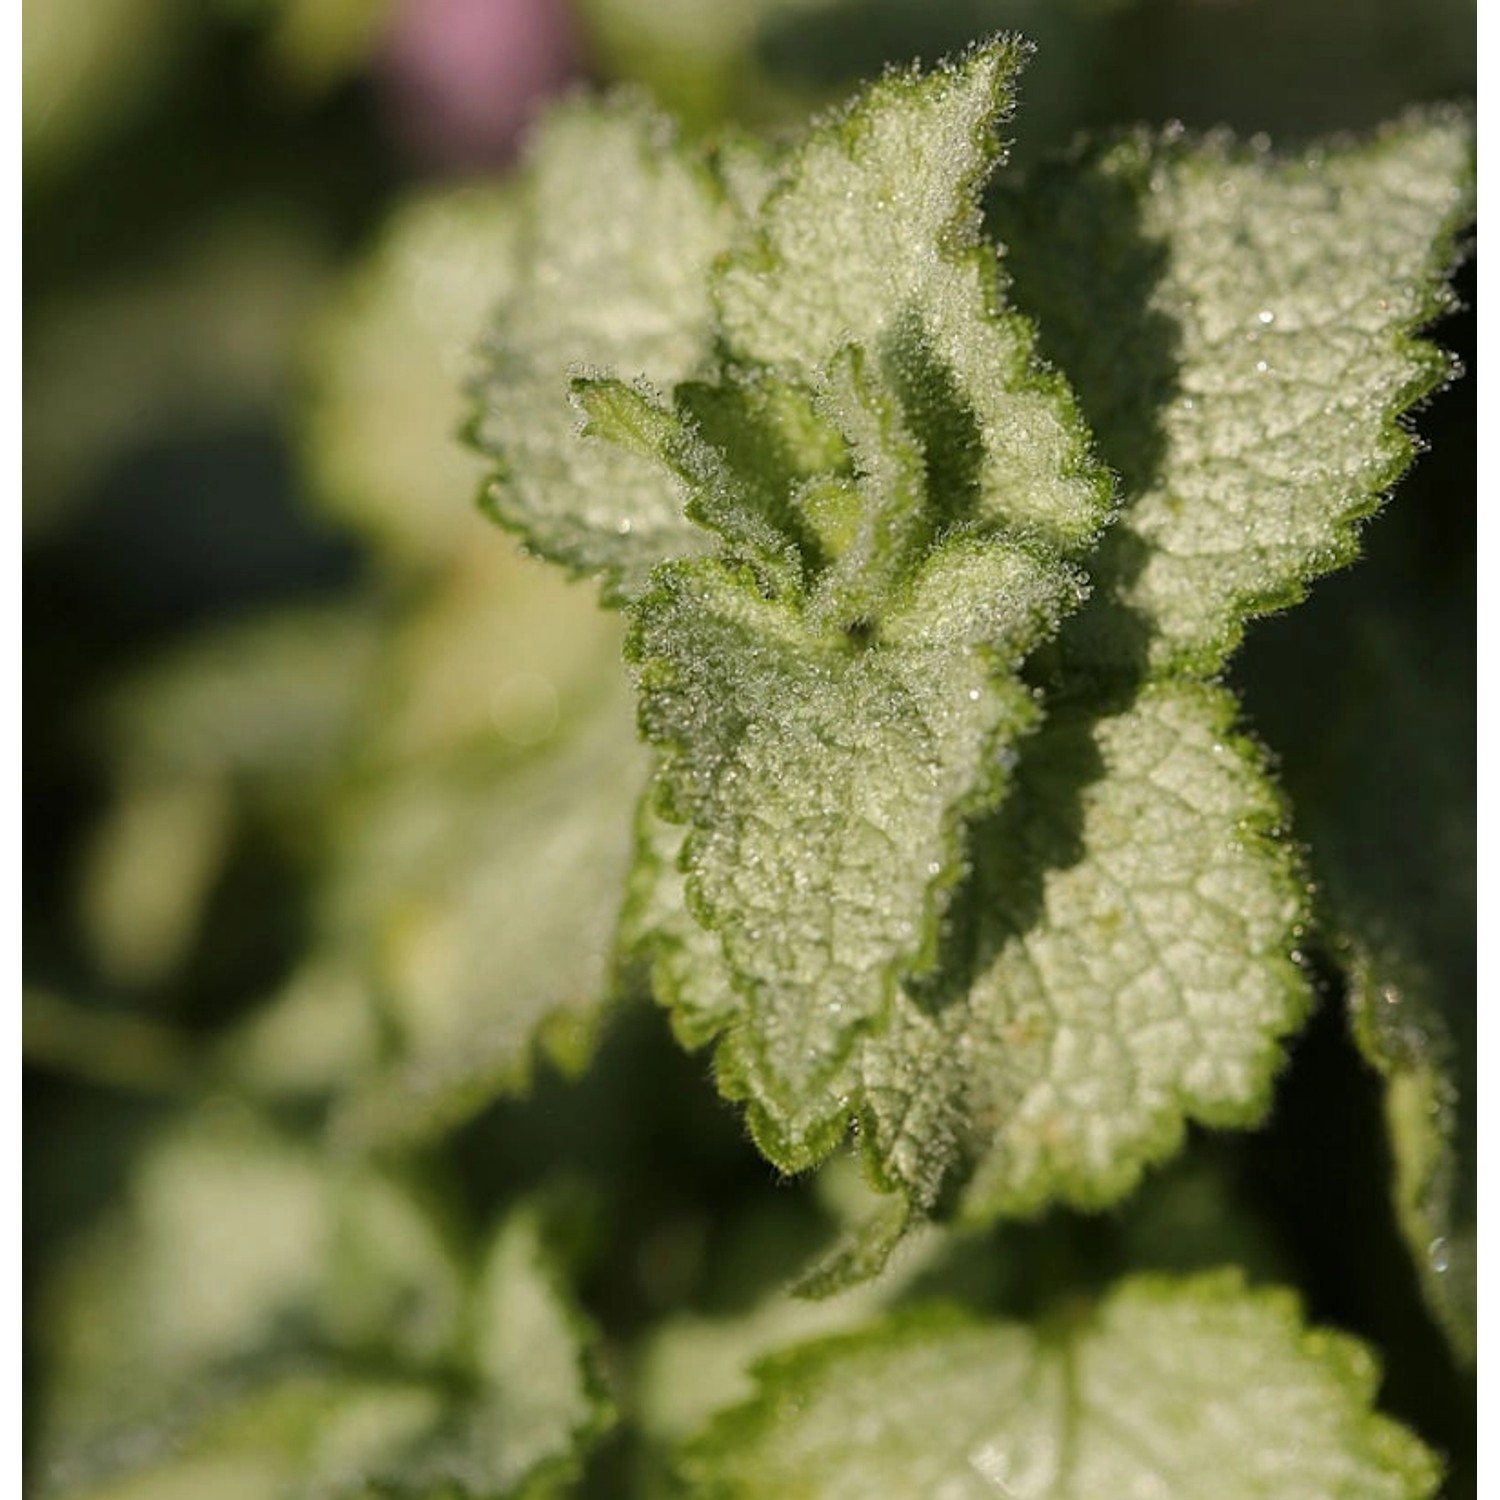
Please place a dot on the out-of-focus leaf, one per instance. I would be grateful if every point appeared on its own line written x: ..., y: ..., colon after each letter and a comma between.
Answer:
x: 697, y: 58
x: 261, y: 714
x: 481, y: 910
x: 218, y: 1337
x: 768, y: 63
x: 1380, y: 759
x: 315, y: 1434
x: 308, y: 1040
x: 695, y: 1363
x: 120, y: 1051
x: 275, y: 696
x: 387, y: 362
x: 540, y: 1399
x: 151, y: 863
x: 235, y: 1243
x: 315, y: 43
x: 1285, y: 66
x: 500, y: 652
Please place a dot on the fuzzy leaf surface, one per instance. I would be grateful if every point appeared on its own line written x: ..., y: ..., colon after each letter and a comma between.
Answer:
x: 825, y: 789
x: 1195, y: 1388
x: 624, y: 226
x: 1240, y: 329
x: 1124, y: 956
x: 1121, y: 955
x: 1081, y: 1010
x: 872, y: 239
x: 1120, y: 963
x: 895, y: 487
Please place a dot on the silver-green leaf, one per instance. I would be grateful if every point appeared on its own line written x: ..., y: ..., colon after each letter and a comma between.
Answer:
x: 1196, y: 1388
x: 624, y: 226
x: 1240, y: 327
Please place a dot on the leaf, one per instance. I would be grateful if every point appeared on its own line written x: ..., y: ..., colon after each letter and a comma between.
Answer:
x: 502, y: 653
x: 1017, y: 966
x: 1166, y: 1387
x: 1122, y: 954
x: 1273, y: 306
x: 614, y: 272
x: 252, y: 718
x: 1239, y: 327
x: 309, y: 1433
x: 1156, y: 989
x: 693, y: 1364
x: 1122, y: 964
x: 686, y: 969
x: 886, y: 191
x: 307, y: 1041
x: 1404, y: 1032
x: 316, y: 44
x: 1379, y: 755
x: 176, y: 1382
x: 1082, y: 1008
x: 273, y: 697
x: 837, y: 692
x: 384, y: 364
x: 140, y: 1332
x: 198, y: 340
x: 834, y: 789
x: 481, y: 908
x: 541, y: 1401
x: 699, y: 59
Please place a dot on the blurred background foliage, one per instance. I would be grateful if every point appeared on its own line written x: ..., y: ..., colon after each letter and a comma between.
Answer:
x: 328, y: 788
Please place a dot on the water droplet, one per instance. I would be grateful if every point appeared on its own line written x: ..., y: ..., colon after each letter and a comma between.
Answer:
x: 1261, y: 367
x: 973, y: 695
x: 934, y: 868
x: 623, y: 527
x: 1437, y: 1255
x: 1265, y: 315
